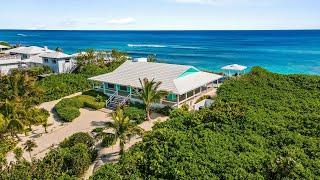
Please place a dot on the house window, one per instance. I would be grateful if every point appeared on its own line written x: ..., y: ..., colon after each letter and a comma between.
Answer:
x: 45, y: 60
x: 54, y: 61
x: 67, y: 61
x: 123, y: 88
x: 110, y: 86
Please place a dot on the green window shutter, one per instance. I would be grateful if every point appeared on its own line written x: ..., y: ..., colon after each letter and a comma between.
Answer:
x: 171, y: 97
x: 117, y: 87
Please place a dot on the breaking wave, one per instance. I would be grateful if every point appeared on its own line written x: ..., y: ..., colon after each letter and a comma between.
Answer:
x: 147, y: 45
x: 23, y: 35
x: 163, y: 46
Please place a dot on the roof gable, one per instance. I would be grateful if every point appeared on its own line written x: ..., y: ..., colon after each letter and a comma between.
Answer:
x: 188, y: 72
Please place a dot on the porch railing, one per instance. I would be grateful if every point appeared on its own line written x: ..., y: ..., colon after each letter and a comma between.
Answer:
x: 111, y: 97
x: 125, y: 100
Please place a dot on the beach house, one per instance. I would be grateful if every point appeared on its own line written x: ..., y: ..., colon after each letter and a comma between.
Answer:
x: 31, y: 56
x: 59, y: 62
x: 183, y: 83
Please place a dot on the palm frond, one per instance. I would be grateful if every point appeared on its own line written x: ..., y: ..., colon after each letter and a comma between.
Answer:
x: 109, y: 125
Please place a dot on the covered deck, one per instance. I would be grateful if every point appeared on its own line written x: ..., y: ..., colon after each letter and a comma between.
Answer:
x: 172, y: 99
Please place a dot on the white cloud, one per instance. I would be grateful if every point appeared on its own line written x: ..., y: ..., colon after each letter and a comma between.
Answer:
x: 120, y: 21
x: 197, y: 1
x: 211, y: 2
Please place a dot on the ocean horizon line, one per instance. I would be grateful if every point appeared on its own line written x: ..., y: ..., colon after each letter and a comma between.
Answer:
x: 316, y: 29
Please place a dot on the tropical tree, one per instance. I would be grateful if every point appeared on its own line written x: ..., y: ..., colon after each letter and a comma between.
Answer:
x: 123, y: 129
x: 3, y: 124
x: 85, y: 58
x: 58, y: 49
x: 15, y: 127
x: 117, y: 55
x: 29, y: 146
x: 45, y: 126
x: 18, y: 152
x: 20, y: 87
x: 150, y: 93
x: 152, y: 58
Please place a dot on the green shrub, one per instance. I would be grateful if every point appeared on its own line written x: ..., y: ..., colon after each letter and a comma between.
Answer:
x: 164, y: 110
x: 108, y: 171
x: 67, y: 114
x: 203, y: 97
x: 94, y: 105
x: 68, y: 109
x: 99, y: 96
x: 6, y: 145
x: 135, y: 114
x: 76, y: 138
x: 97, y: 130
x: 108, y: 140
x: 61, y: 85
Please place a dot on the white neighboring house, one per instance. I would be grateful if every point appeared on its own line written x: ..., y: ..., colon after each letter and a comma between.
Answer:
x: 59, y: 62
x: 24, y: 57
x: 8, y: 64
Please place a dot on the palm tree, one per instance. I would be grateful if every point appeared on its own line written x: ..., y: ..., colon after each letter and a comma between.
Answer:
x: 29, y: 145
x: 152, y: 58
x: 15, y: 127
x: 117, y: 55
x: 123, y: 128
x: 58, y: 49
x: 45, y: 126
x: 150, y: 93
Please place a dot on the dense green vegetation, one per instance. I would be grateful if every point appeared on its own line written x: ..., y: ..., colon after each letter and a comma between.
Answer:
x: 135, y: 114
x: 22, y: 90
x: 18, y: 97
x: 68, y: 109
x: 262, y: 126
x: 68, y: 161
x: 61, y: 85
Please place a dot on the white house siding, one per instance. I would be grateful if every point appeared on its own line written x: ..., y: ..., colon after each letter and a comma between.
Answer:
x: 61, y: 66
x: 51, y: 64
x: 5, y: 68
x: 64, y: 66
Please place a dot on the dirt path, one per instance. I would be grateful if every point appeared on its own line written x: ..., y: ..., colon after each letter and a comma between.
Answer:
x: 58, y: 131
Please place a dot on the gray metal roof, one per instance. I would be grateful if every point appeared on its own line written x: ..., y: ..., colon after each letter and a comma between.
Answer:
x: 55, y: 55
x: 129, y: 73
x: 28, y: 50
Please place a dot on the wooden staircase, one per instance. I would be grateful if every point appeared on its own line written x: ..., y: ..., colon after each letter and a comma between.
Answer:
x: 116, y: 101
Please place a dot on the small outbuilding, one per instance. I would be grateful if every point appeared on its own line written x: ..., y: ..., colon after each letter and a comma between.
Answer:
x: 234, y: 69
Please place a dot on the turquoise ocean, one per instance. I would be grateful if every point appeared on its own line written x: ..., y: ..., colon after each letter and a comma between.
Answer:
x: 286, y: 51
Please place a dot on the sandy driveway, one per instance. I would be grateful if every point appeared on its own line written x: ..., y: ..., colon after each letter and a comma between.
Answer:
x: 58, y: 131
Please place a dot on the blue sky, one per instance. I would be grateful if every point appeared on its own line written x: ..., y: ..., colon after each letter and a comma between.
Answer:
x: 160, y: 14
